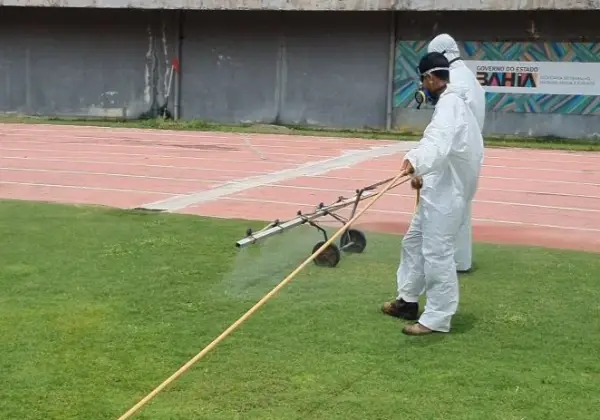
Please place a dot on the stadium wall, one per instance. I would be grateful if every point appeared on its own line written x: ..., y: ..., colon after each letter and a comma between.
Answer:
x: 349, y: 70
x: 256, y: 67
x: 83, y: 62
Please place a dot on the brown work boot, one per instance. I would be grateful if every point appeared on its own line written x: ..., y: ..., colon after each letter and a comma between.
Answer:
x: 416, y: 329
x: 401, y: 309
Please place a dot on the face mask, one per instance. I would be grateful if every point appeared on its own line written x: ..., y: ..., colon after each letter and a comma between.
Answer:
x: 423, y: 95
x: 420, y: 97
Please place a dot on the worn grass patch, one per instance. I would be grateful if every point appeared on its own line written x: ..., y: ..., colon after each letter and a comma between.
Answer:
x: 98, y: 306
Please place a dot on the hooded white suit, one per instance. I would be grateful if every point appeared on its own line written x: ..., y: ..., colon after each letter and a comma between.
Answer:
x: 460, y: 73
x: 450, y: 155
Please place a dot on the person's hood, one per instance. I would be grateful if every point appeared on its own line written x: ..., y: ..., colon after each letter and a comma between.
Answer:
x: 446, y: 45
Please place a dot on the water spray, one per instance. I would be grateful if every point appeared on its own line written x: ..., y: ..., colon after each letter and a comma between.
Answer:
x: 391, y: 184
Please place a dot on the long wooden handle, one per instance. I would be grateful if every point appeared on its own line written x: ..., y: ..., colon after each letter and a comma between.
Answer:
x: 392, y: 184
x: 418, y: 198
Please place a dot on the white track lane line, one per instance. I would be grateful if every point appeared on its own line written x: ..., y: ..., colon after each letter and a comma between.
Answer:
x: 260, y: 161
x: 172, y: 145
x: 79, y: 187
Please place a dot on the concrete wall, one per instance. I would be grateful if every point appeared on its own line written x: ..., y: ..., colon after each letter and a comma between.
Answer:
x: 327, y: 69
x: 291, y: 68
x: 266, y: 67
x: 319, y: 5
x: 82, y: 62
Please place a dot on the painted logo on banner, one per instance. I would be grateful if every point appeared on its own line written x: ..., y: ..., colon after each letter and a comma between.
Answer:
x: 549, y: 78
x: 536, y: 77
x: 507, y: 76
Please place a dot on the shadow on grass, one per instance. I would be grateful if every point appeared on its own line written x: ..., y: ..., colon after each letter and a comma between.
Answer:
x: 462, y: 323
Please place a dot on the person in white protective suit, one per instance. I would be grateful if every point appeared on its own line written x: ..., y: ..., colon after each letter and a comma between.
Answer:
x: 450, y: 155
x: 460, y: 73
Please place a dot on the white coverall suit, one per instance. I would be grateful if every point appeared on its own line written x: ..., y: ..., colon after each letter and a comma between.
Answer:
x: 460, y: 73
x: 450, y: 154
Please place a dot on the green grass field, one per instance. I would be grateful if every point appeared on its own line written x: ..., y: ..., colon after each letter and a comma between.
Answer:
x: 99, y: 306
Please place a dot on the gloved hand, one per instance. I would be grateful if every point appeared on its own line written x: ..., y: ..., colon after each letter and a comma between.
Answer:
x: 416, y: 183
x: 406, y: 168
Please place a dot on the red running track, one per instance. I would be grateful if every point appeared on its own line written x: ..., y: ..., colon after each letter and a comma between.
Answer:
x: 544, y: 198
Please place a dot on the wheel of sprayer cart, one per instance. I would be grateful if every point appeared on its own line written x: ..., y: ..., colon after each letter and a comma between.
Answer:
x: 353, y: 241
x: 329, y: 257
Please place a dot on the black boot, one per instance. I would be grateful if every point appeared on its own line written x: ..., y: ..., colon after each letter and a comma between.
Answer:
x: 401, y: 309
